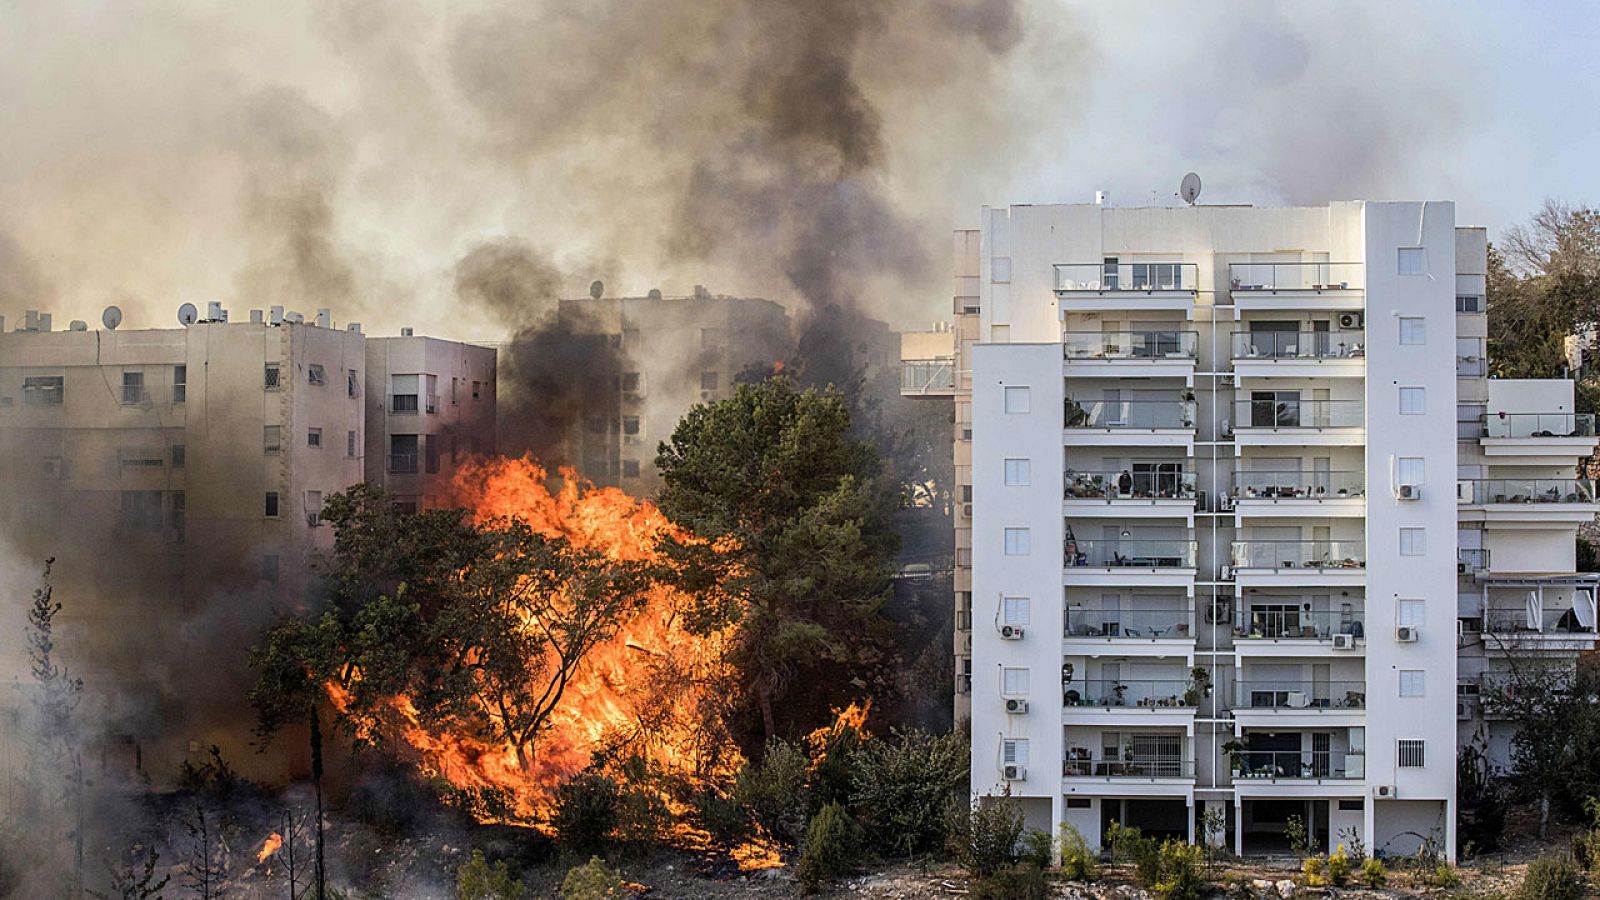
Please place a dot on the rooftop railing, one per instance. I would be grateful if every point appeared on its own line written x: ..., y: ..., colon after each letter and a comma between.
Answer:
x: 1092, y: 345
x: 1128, y: 485
x: 1143, y: 277
x: 1129, y: 414
x: 1107, y: 693
x: 1278, y: 694
x: 1299, y: 344
x: 1129, y: 553
x: 1280, y: 413
x: 1140, y: 623
x: 1298, y: 484
x: 1296, y: 276
x: 1127, y: 767
x: 1299, y: 554
x: 1525, y: 490
x: 1537, y: 425
x: 1298, y: 764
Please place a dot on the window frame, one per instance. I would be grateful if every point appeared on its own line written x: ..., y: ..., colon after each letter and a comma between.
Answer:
x: 1015, y: 681
x: 1418, y: 541
x: 1418, y: 336
x: 1016, y: 611
x: 1420, y: 394
x: 1411, y: 683
x: 1018, y: 541
x: 1022, y: 393
x: 1022, y: 467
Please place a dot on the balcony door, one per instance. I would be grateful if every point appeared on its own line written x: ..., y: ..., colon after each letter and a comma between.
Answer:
x: 1272, y: 338
x: 1275, y: 409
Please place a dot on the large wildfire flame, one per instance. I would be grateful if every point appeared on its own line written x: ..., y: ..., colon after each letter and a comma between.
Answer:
x: 652, y: 692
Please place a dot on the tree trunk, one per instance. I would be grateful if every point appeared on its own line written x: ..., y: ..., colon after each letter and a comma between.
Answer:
x: 764, y: 697
x: 1544, y: 813
x: 316, y: 780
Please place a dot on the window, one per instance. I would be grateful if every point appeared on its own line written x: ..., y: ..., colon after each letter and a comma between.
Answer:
x: 403, y: 453
x: 139, y: 510
x: 1017, y: 400
x: 455, y: 391
x: 711, y: 338
x: 630, y: 338
x: 1413, y: 330
x: 431, y: 454
x: 1014, y: 751
x: 475, y: 389
x: 433, y: 394
x: 140, y: 458
x: 272, y: 438
x: 180, y: 384
x: 1413, y: 401
x: 1410, y: 470
x: 1019, y: 542
x: 1000, y: 270
x: 1469, y: 303
x: 179, y: 454
x: 269, y: 568
x: 271, y: 510
x: 1411, y: 683
x: 1413, y: 261
x: 315, y: 374
x: 313, y: 437
x: 313, y: 508
x: 43, y: 390
x: 1413, y: 542
x: 403, y: 393
x: 269, y: 379
x: 630, y: 425
x: 1079, y: 803
x: 708, y: 381
x: 630, y: 382
x: 1013, y: 682
x: 1409, y: 612
x: 630, y: 468
x: 352, y: 384
x: 1355, y: 805
x: 1016, y: 610
x: 350, y: 444
x: 175, y: 517
x: 1019, y: 472
x: 133, y: 388
x: 1469, y: 421
x: 1411, y: 754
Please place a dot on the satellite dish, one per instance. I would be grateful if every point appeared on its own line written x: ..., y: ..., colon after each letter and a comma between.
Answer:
x: 111, y: 318
x: 1189, y: 190
x: 597, y: 290
x: 188, y: 315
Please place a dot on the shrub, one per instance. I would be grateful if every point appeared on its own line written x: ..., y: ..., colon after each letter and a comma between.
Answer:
x: 1551, y: 877
x: 592, y: 881
x: 1315, y: 869
x: 1013, y: 882
x: 1338, y: 868
x: 1440, y: 874
x: 1119, y: 840
x: 831, y: 848
x: 1146, y: 855
x: 1077, y: 861
x: 723, y: 818
x: 1373, y: 875
x: 587, y: 811
x: 901, y: 786
x: 1180, y: 872
x: 477, y: 880
x: 774, y: 791
x: 1036, y: 848
x: 982, y: 834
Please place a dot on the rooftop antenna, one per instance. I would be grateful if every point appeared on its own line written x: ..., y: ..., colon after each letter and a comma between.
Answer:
x: 188, y: 315
x: 111, y: 318
x: 1189, y: 189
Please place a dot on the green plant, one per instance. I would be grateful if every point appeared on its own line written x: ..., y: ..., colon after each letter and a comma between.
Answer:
x: 1180, y: 877
x: 1299, y: 841
x: 1551, y: 877
x: 477, y: 880
x: 1077, y: 860
x: 900, y: 787
x: 1440, y: 874
x: 1315, y: 869
x: 774, y: 790
x: 982, y: 833
x: 587, y: 810
x: 723, y: 818
x: 1213, y: 829
x: 1351, y: 837
x: 1338, y: 867
x: 1373, y: 874
x: 1037, y: 847
x: 831, y: 849
x: 592, y: 881
x: 1012, y: 882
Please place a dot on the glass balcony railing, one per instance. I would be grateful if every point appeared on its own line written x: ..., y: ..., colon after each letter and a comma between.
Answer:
x: 1141, y: 623
x: 1299, y: 554
x: 1126, y: 485
x: 1145, y: 276
x: 1298, y: 764
x: 1537, y: 425
x: 1276, y: 694
x: 1298, y: 484
x: 1295, y: 276
x: 1092, y: 345
x: 1146, y: 694
x: 1525, y: 490
x: 1281, y: 412
x: 1129, y: 553
x: 1472, y: 559
x: 1522, y: 620
x: 1283, y: 622
x: 1129, y: 414
x: 1299, y: 344
x: 1128, y: 767
x: 927, y: 376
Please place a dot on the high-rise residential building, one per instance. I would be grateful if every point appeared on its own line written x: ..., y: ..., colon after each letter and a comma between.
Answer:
x: 1245, y: 528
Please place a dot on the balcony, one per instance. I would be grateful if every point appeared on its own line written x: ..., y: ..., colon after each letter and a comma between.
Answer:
x: 1272, y: 624
x: 1127, y: 493
x: 1299, y: 354
x: 1278, y: 418
x: 1124, y: 422
x: 403, y: 463
x: 1470, y: 561
x: 1315, y: 563
x: 1294, y: 492
x: 1123, y: 625
x: 1110, y: 287
x: 927, y: 378
x: 1122, y: 353
x: 1315, y: 696
x: 1530, y: 438
x: 1309, y: 286
x: 1534, y: 502
x: 1298, y: 765
x: 1115, y: 694
x: 1131, y: 767
x: 1128, y: 554
x: 1538, y: 425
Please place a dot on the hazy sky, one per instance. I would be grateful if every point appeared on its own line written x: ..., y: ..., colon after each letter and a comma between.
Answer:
x: 349, y: 153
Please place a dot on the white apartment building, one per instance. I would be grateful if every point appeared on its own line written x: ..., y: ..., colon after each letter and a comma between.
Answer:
x: 1246, y: 517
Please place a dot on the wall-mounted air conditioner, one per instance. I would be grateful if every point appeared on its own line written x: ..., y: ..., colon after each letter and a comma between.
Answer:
x: 1344, y: 642
x: 1383, y: 791
x: 1350, y: 321
x: 1014, y: 773
x: 1011, y: 632
x: 1406, y: 634
x: 1409, y: 492
x: 1016, y: 706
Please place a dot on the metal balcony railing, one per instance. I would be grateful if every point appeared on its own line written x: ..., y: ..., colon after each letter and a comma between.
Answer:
x: 1174, y: 693
x: 1298, y: 624
x: 1128, y: 767
x: 1144, y: 277
x: 1523, y: 620
x: 1299, y: 344
x: 1299, y: 554
x: 1279, y: 413
x: 403, y: 463
x: 927, y: 376
x: 1472, y: 366
x: 1128, y: 485
x: 1298, y: 764
x: 1129, y: 553
x: 1279, y: 694
x: 1537, y: 425
x: 1129, y: 414
x: 1140, y: 623
x: 1298, y: 484
x: 1091, y: 345
x: 1525, y: 490
x: 1296, y: 276
x: 403, y: 403
x: 1472, y: 560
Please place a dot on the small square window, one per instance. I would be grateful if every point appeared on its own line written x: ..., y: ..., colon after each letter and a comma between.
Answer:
x: 352, y: 383
x: 1410, y: 470
x: 477, y: 389
x: 1411, y: 753
x: 270, y: 377
x: 313, y: 508
x: 180, y: 384
x: 1413, y: 542
x: 1409, y: 612
x: 179, y: 455
x: 133, y: 388
x: 1413, y: 261
x: 630, y: 468
x: 630, y: 425
x: 350, y: 444
x: 1016, y: 610
x: 1018, y: 400
x: 271, y: 510
x: 272, y: 438
x: 1019, y: 472
x: 1014, y: 682
x: 1019, y: 542
x: 1413, y: 401
x: 630, y: 382
x: 1412, y: 683
x: 315, y: 374
x: 708, y: 381
x: 1014, y: 751
x: 314, y: 437
x: 1413, y: 330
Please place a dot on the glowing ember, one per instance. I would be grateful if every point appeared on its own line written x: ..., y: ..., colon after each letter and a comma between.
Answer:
x: 271, y: 845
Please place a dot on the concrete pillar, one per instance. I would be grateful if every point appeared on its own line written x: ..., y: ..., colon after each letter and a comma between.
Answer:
x: 1189, y: 805
x: 1238, y: 826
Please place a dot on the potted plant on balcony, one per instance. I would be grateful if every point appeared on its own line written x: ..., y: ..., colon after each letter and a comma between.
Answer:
x: 1235, y: 750
x: 1199, y: 686
x: 1120, y: 691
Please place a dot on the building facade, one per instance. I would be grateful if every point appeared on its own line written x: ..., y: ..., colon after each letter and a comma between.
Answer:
x: 1248, y: 526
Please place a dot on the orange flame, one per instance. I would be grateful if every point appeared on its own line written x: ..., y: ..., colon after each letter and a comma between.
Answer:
x: 271, y: 845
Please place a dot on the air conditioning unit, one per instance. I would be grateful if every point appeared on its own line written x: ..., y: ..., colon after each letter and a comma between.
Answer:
x: 1383, y: 791
x: 1406, y: 634
x: 1014, y: 773
x: 1011, y: 632
x: 1352, y: 320
x: 1017, y: 706
x: 1344, y: 642
x: 1227, y: 380
x: 1409, y: 492
x: 966, y: 510
x: 1461, y: 568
